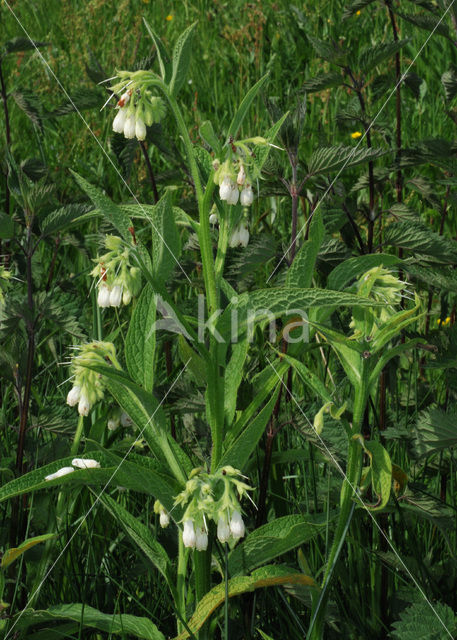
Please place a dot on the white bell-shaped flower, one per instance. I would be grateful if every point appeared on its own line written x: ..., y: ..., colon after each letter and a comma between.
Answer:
x: 129, y: 127
x: 223, y: 529
x: 213, y: 219
x: 103, y: 295
x: 119, y: 121
x: 140, y: 129
x: 237, y: 527
x: 234, y: 195
x: 188, y: 536
x: 201, y: 539
x: 73, y: 396
x: 243, y: 235
x: 115, y: 296
x: 234, y: 239
x: 247, y: 197
x: 225, y: 188
x: 83, y: 406
x: 241, y: 177
x: 58, y: 474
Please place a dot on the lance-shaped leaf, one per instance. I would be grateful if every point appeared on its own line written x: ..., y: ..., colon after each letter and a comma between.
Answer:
x: 162, y: 55
x: 114, y: 472
x: 142, y: 536
x: 323, y: 81
x: 140, y: 341
x: 21, y: 44
x: 300, y: 274
x: 238, y: 453
x: 274, y: 539
x: 11, y: 555
x: 352, y: 268
x: 435, y: 431
x: 268, y: 576
x: 244, y: 107
x: 112, y: 623
x: 372, y: 56
x: 181, y: 59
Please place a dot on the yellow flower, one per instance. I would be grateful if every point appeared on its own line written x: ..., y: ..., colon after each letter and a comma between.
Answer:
x: 356, y: 135
x: 169, y: 18
x: 445, y: 322
x: 357, y: 13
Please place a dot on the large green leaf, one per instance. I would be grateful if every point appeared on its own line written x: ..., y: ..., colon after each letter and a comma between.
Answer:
x: 140, y: 342
x: 149, y: 416
x: 269, y: 576
x: 143, y: 537
x: 428, y: 22
x: 264, y: 305
x: 244, y: 107
x: 381, y: 472
x: 300, y: 274
x: 162, y: 55
x: 182, y: 54
x: 273, y: 539
x: 352, y: 268
x: 114, y: 472
x: 63, y: 217
x: 238, y: 453
x: 166, y: 245
x: 89, y: 617
x: 233, y: 377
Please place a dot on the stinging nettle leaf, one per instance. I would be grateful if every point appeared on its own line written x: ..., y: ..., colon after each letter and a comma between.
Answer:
x: 328, y: 159
x: 323, y: 81
x: 374, y: 55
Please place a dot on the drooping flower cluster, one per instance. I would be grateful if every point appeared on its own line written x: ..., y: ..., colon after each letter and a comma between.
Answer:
x: 137, y: 106
x: 234, y: 183
x: 88, y: 386
x: 117, y: 280
x: 214, y: 497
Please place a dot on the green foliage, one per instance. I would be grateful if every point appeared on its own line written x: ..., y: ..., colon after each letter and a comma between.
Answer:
x: 423, y: 620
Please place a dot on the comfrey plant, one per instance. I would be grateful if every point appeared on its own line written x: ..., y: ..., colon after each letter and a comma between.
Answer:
x: 203, y: 493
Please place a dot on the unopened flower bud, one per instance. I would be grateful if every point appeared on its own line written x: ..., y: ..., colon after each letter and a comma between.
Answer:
x: 237, y: 527
x: 115, y: 296
x: 119, y: 121
x: 213, y: 219
x: 234, y: 239
x: 140, y: 129
x: 113, y: 423
x: 126, y: 296
x: 125, y: 97
x: 164, y: 519
x: 188, y: 535
x: 241, y: 176
x: 58, y: 474
x: 73, y: 396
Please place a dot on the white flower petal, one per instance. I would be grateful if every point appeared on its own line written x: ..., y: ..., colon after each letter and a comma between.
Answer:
x: 58, y: 474
x: 85, y: 463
